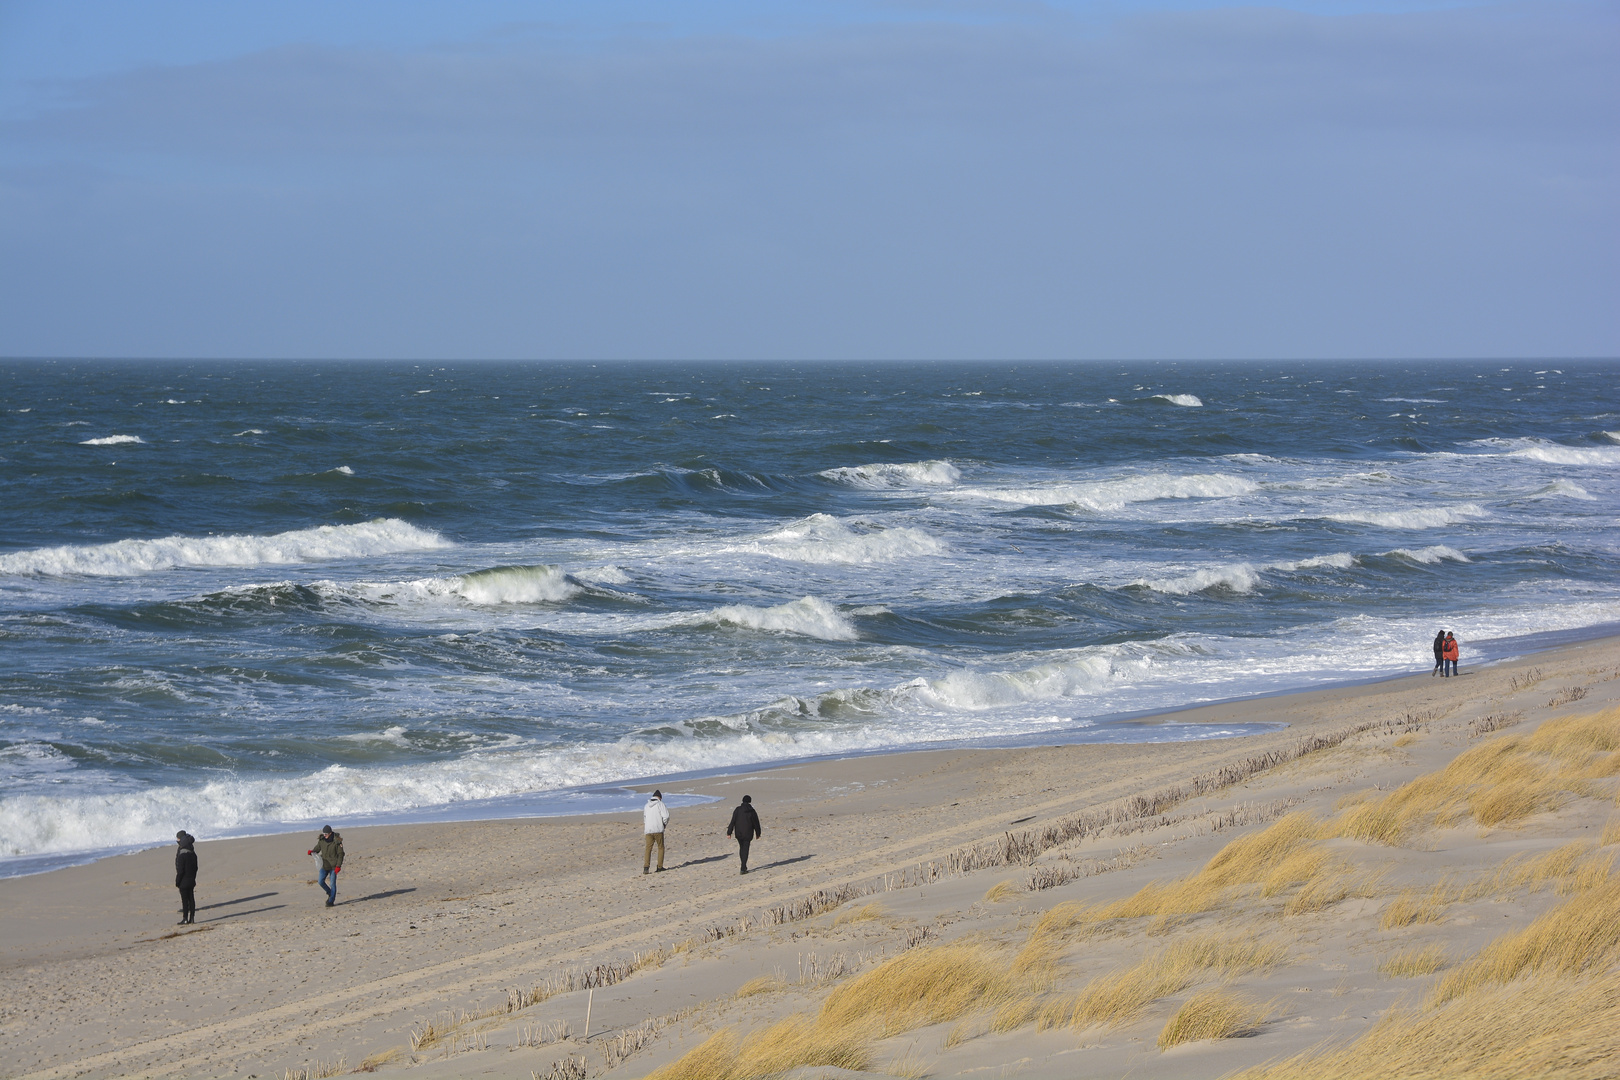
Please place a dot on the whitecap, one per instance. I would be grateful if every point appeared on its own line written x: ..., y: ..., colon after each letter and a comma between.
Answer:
x: 1415, y: 400
x: 603, y: 575
x: 343, y: 469
x: 1555, y: 454
x: 1430, y: 556
x: 809, y: 616
x: 249, y: 431
x: 1564, y: 489
x: 826, y: 540
x: 1106, y: 495
x: 1426, y: 518
x: 324, y: 542
x: 112, y: 440
x: 896, y: 475
x: 1339, y: 560
x: 493, y: 587
x: 1238, y: 578
x: 1190, y: 401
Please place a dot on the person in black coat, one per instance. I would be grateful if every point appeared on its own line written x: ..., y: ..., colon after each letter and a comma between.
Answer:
x: 745, y: 827
x: 1439, y: 647
x: 185, y: 876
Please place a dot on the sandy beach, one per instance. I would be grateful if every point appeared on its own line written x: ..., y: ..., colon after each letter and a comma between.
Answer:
x: 475, y: 949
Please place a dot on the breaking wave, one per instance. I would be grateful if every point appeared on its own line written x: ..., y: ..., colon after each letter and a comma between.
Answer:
x: 1108, y: 495
x: 112, y: 440
x: 1189, y: 401
x: 1238, y: 578
x: 902, y: 475
x: 322, y: 543
x: 1428, y: 518
x: 807, y: 617
x: 1430, y: 555
x: 824, y: 539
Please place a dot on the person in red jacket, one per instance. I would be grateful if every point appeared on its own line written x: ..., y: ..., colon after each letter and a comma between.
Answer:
x: 1450, y: 654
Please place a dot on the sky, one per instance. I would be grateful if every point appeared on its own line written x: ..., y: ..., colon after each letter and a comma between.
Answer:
x: 905, y: 179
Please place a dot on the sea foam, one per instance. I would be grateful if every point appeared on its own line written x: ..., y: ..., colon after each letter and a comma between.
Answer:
x: 1110, y: 495
x: 809, y: 616
x: 112, y: 440
x: 1237, y: 577
x: 1426, y: 518
x: 901, y: 475
x: 325, y: 542
x: 1189, y: 401
x: 824, y: 539
x: 1430, y: 555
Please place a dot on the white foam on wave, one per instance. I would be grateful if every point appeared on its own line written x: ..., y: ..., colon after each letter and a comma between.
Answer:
x: 603, y: 575
x: 1339, y: 560
x: 1433, y: 517
x: 482, y: 588
x: 344, y: 469
x: 808, y: 616
x: 1555, y: 454
x: 322, y: 543
x: 112, y: 440
x: 1416, y: 400
x: 1187, y: 401
x: 1430, y: 555
x: 249, y: 431
x: 1109, y: 495
x: 1612, y: 436
x: 898, y: 475
x: 1236, y: 577
x: 826, y: 540
x: 1564, y: 489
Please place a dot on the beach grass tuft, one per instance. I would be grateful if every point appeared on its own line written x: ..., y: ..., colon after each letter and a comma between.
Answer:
x: 864, y: 913
x: 1413, y: 963
x: 1569, y: 1028
x: 1001, y: 890
x: 1580, y: 935
x: 794, y: 1043
x: 1212, y: 1014
x: 921, y: 987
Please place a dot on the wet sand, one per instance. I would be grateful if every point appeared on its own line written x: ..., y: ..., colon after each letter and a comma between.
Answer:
x: 444, y: 919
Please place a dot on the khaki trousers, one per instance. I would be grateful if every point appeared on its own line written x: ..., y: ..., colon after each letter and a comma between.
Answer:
x: 646, y: 855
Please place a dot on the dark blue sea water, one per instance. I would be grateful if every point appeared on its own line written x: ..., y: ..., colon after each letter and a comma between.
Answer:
x: 237, y: 594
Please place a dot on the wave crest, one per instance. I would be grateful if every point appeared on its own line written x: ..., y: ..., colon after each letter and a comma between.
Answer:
x: 322, y: 543
x: 809, y: 616
x: 1186, y: 401
x: 1427, y: 518
x: 826, y: 540
x: 1238, y: 578
x: 112, y: 440
x: 1430, y: 555
x: 899, y: 475
x: 1108, y: 495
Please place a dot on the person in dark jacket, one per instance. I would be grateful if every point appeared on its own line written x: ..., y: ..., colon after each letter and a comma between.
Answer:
x: 329, y: 846
x: 745, y: 827
x: 1439, y: 654
x: 185, y: 876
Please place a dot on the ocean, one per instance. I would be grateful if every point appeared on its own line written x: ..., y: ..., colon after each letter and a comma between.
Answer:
x: 241, y: 595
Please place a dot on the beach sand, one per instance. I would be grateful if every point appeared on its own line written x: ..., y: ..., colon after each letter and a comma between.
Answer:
x: 450, y: 925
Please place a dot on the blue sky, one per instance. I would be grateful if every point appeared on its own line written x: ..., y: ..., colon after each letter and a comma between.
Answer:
x: 802, y: 180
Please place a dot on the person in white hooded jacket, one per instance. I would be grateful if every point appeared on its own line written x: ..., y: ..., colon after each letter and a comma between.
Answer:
x: 655, y: 815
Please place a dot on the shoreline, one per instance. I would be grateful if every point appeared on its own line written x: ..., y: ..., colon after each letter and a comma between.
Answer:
x: 624, y: 796
x: 452, y: 919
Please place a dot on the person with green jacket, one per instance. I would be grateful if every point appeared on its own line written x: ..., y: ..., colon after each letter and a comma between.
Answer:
x: 329, y: 846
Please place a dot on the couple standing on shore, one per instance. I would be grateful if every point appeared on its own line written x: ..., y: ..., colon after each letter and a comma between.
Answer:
x: 1445, y: 654
x: 655, y: 818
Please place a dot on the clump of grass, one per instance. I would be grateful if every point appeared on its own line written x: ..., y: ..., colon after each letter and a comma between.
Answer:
x: 1001, y: 890
x: 1581, y: 934
x: 765, y: 984
x: 1213, y: 1014
x: 1499, y: 782
x: 1333, y: 882
x: 1119, y: 996
x: 864, y: 913
x: 1574, y: 867
x: 1611, y: 832
x: 379, y: 1059
x: 793, y: 1043
x: 1406, y: 740
x: 1413, y: 906
x: 1412, y: 963
x: 910, y: 1065
x: 921, y: 987
x: 1569, y: 1028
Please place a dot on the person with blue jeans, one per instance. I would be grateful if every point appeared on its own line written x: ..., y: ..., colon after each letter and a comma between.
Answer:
x: 329, y: 846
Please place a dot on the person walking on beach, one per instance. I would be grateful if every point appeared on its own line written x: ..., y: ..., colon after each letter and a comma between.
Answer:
x: 1439, y: 654
x: 745, y: 827
x: 654, y: 816
x: 1449, y: 654
x: 329, y: 846
x: 185, y: 876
